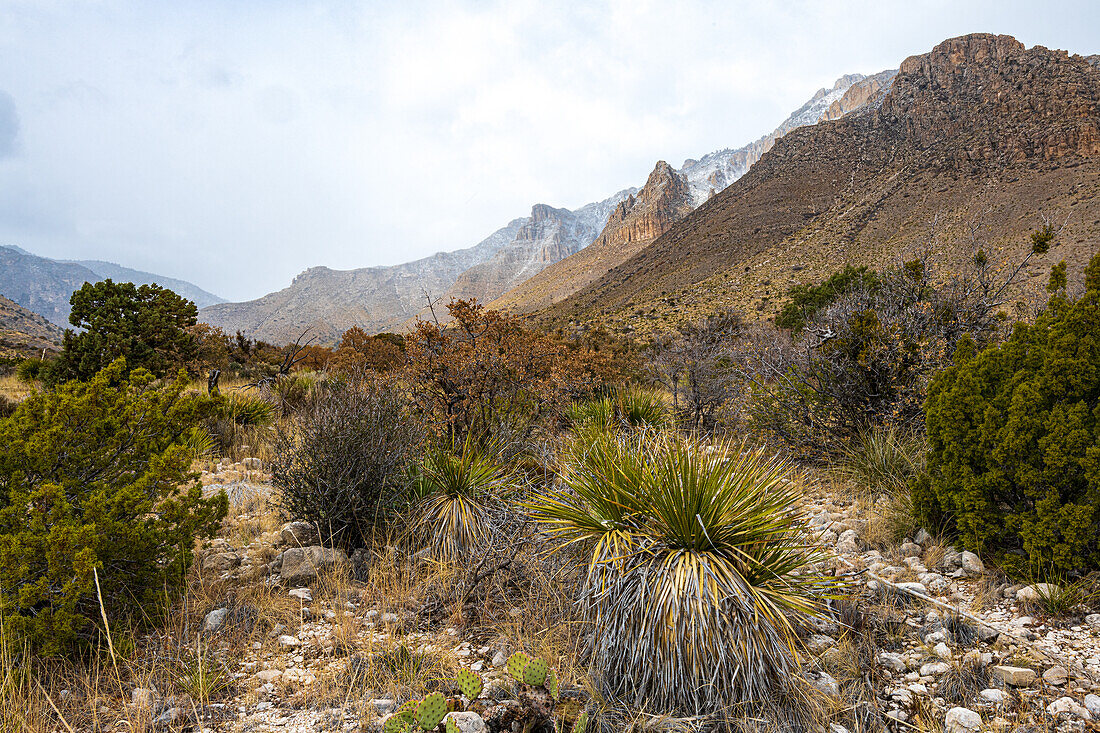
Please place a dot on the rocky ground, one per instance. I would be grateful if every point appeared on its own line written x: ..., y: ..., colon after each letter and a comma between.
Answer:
x: 945, y: 645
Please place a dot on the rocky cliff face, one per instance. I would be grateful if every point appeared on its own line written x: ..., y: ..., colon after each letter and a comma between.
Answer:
x: 979, y: 131
x: 867, y: 92
x: 547, y: 236
x: 670, y: 195
x: 24, y: 332
x: 634, y: 222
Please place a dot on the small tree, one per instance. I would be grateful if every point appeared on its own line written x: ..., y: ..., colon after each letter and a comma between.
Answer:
x: 696, y: 364
x: 94, y: 476
x: 486, y: 373
x: 1014, y: 439
x: 148, y: 325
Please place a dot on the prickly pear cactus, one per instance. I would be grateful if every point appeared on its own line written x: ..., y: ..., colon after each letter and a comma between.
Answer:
x: 582, y: 722
x: 534, y: 673
x: 469, y: 684
x: 400, y: 721
x: 430, y: 712
x: 552, y: 683
x: 516, y: 664
x: 452, y: 726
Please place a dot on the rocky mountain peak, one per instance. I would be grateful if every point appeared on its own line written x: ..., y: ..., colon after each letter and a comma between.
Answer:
x: 1009, y: 101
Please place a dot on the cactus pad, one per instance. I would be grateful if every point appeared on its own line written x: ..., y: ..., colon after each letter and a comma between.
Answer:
x: 516, y: 664
x: 469, y: 684
x: 534, y: 674
x: 582, y: 722
x: 431, y: 711
x: 552, y: 683
x: 399, y: 722
x: 452, y: 726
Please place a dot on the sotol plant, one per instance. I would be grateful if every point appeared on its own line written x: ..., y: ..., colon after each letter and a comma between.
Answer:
x: 696, y: 570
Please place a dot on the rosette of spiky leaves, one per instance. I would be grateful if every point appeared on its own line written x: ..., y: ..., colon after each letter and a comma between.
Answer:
x: 431, y: 711
x: 516, y: 664
x: 453, y: 486
x: 551, y: 684
x: 600, y: 499
x: 693, y: 610
x: 469, y: 684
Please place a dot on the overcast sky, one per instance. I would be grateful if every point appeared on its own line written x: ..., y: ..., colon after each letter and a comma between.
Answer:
x: 235, y: 144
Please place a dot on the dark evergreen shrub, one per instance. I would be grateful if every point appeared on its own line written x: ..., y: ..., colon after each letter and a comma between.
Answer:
x: 1014, y: 439
x: 95, y: 477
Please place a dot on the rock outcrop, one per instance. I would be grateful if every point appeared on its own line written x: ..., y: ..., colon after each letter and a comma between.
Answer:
x: 980, y: 131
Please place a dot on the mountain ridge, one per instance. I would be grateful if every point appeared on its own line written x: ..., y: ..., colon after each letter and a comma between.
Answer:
x: 980, y: 129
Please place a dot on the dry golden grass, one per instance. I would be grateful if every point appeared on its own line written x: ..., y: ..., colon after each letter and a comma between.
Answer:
x: 13, y: 389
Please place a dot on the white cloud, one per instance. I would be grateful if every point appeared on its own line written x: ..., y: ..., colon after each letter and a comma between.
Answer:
x: 235, y: 144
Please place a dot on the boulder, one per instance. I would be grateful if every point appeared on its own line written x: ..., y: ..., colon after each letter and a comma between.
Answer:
x: 302, y: 594
x: 220, y: 562
x: 1015, y: 676
x: 962, y: 720
x: 993, y: 696
x: 299, y: 534
x: 302, y: 565
x: 1057, y: 675
x: 1092, y: 704
x: 467, y: 722
x: 972, y: 564
x: 214, y: 620
x: 1068, y: 707
x: 1036, y: 592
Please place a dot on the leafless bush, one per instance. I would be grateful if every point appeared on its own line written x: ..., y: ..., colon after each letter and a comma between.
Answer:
x: 344, y: 460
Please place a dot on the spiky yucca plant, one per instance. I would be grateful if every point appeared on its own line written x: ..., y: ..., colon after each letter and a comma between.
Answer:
x: 453, y: 486
x: 697, y: 567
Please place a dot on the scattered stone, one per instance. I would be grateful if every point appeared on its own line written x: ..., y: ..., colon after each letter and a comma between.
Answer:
x: 962, y: 720
x: 299, y: 534
x: 1092, y: 704
x: 972, y: 564
x: 214, y: 620
x: 1036, y: 592
x: 1093, y: 619
x: 818, y: 643
x: 1015, y: 676
x: 1069, y: 707
x: 943, y: 651
x: 302, y: 593
x: 921, y: 537
x: 302, y: 565
x: 467, y: 722
x: 499, y: 659
x: 1056, y: 676
x: 910, y: 549
x: 287, y: 640
x: 993, y: 695
x: 914, y: 587
x: 987, y: 634
x: 892, y: 661
x: 383, y: 705
x: 220, y: 562
x: 934, y: 669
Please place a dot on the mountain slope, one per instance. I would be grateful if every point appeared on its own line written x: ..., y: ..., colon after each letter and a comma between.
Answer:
x: 670, y: 195
x: 327, y: 302
x: 118, y: 273
x: 23, y: 332
x: 979, y: 132
x: 44, y: 285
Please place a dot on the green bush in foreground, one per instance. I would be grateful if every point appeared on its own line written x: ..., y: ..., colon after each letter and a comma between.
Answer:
x: 1014, y: 439
x: 93, y: 477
